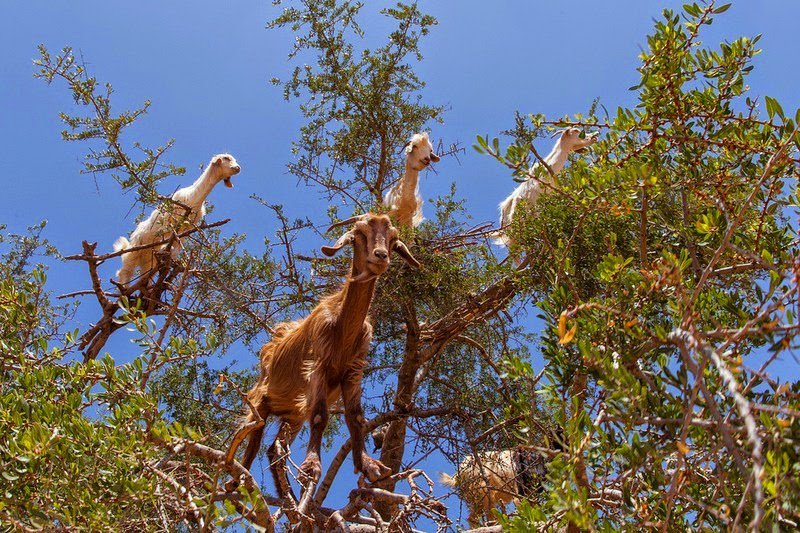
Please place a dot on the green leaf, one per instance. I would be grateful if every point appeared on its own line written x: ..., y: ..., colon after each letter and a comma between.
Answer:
x: 773, y: 107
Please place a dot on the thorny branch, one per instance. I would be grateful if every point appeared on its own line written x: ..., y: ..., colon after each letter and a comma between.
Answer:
x: 149, y: 294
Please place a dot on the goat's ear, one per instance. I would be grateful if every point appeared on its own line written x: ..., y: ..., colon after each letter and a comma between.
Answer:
x: 330, y: 251
x: 217, y: 161
x: 402, y: 251
x: 408, y: 147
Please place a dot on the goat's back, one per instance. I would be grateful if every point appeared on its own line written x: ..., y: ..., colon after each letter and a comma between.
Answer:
x: 491, y: 482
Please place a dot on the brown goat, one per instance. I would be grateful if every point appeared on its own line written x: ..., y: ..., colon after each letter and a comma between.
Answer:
x: 310, y: 363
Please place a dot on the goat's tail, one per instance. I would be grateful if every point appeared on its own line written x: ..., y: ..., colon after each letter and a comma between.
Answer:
x: 121, y: 244
x: 500, y: 238
x: 448, y: 480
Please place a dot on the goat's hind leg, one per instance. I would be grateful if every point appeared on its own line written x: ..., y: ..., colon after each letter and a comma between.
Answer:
x: 277, y: 454
x: 253, y: 431
x: 311, y: 467
x: 129, y: 263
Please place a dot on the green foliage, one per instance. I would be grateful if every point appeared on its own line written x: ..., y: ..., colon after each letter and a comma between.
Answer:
x: 61, y: 466
x: 82, y: 444
x: 188, y: 388
x: 360, y: 105
x: 100, y: 124
x: 666, y: 262
x: 71, y: 435
x: 662, y: 263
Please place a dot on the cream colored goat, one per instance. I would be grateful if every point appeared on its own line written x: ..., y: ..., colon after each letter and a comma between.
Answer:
x: 502, y: 477
x: 166, y: 219
x: 403, y: 200
x: 310, y: 363
x: 529, y: 190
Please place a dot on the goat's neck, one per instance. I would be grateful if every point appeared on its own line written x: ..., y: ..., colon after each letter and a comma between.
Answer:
x: 201, y: 188
x: 356, y: 300
x: 556, y: 160
x: 409, y: 184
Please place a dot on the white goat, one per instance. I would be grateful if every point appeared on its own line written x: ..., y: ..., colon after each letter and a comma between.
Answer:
x: 502, y: 477
x: 531, y: 188
x: 162, y: 221
x: 403, y: 200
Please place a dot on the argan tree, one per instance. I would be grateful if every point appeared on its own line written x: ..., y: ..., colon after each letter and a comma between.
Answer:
x: 662, y: 262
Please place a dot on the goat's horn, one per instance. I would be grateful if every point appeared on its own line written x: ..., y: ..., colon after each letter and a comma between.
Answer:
x: 562, y: 132
x: 346, y: 222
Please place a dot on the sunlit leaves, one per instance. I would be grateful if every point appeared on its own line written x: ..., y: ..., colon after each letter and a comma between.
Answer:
x: 671, y: 221
x: 773, y: 108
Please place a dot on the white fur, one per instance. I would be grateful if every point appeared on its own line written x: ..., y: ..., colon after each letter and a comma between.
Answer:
x: 531, y: 188
x: 403, y: 200
x: 485, y: 487
x: 163, y: 220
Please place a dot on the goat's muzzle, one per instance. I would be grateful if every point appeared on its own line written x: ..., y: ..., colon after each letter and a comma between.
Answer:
x: 234, y: 170
x: 378, y: 266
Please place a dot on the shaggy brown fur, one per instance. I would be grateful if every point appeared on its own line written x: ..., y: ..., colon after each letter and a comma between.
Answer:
x: 312, y: 362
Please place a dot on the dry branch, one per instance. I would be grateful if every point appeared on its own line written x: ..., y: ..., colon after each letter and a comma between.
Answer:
x: 150, y: 295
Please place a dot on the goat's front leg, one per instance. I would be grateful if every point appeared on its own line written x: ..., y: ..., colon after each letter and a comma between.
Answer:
x: 354, y: 417
x: 318, y: 404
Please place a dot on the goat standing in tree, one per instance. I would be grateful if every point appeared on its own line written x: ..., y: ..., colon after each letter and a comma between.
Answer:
x: 310, y: 363
x: 188, y: 208
x: 571, y: 140
x: 499, y: 478
x: 403, y: 200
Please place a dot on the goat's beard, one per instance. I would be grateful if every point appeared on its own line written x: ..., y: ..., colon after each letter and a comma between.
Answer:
x: 363, y: 277
x: 228, y: 182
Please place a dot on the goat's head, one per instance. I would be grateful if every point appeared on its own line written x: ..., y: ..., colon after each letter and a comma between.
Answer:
x: 575, y: 139
x: 224, y: 166
x: 374, y: 239
x: 419, y: 151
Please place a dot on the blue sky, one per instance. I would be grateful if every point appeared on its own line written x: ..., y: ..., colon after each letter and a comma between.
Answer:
x: 206, y: 64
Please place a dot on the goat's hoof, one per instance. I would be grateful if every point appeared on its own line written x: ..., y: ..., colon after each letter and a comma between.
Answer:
x: 310, y: 469
x: 374, y: 470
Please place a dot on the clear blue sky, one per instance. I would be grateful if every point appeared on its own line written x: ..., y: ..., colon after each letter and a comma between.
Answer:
x: 206, y: 64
